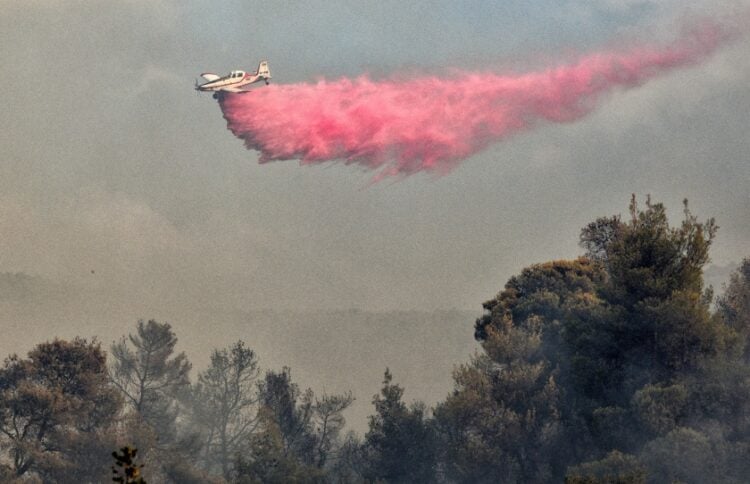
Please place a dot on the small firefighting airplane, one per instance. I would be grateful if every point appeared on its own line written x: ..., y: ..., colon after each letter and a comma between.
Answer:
x: 234, y: 81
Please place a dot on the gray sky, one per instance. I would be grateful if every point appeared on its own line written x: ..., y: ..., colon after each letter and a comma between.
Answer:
x: 110, y: 163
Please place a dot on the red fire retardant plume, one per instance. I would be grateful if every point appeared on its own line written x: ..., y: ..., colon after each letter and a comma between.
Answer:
x: 400, y: 127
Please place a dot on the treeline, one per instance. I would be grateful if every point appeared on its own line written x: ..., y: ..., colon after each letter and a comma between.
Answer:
x: 617, y: 367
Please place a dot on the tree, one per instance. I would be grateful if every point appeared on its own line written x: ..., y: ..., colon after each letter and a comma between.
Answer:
x: 615, y: 468
x: 155, y: 385
x: 126, y: 470
x: 684, y: 455
x: 734, y: 306
x: 56, y: 412
x: 400, y: 445
x: 328, y: 420
x: 657, y: 317
x: 298, y: 434
x: 150, y: 377
x: 595, y: 360
x: 349, y: 465
x: 503, y: 422
x: 270, y: 460
x: 224, y: 402
x: 645, y: 257
x: 511, y: 414
x: 660, y: 408
x: 291, y: 411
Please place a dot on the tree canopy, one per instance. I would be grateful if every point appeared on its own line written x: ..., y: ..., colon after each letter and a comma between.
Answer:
x: 615, y: 367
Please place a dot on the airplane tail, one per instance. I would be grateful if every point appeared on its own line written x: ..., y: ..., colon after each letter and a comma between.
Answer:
x: 264, y: 71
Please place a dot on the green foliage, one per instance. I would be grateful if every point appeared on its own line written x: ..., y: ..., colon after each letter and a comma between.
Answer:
x: 502, y: 423
x: 613, y: 427
x: 126, y: 470
x: 56, y: 411
x: 657, y: 322
x: 290, y: 411
x: 154, y: 383
x: 505, y: 420
x: 734, y: 306
x: 149, y: 376
x: 271, y: 460
x: 610, y: 368
x: 297, y: 434
x: 660, y: 408
x: 615, y: 468
x: 328, y: 420
x: 645, y: 257
x: 548, y: 291
x: 224, y: 405
x: 400, y: 445
x: 616, y: 352
x: 683, y: 455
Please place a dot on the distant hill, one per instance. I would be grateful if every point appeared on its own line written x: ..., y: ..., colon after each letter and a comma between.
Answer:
x: 17, y: 286
x: 333, y: 351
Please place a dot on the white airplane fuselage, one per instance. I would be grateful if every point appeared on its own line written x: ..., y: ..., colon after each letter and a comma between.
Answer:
x: 234, y: 81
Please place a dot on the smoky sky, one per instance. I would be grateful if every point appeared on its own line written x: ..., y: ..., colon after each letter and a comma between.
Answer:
x: 122, y: 191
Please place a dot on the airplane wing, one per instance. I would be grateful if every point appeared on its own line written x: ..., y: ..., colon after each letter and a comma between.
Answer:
x: 209, y: 76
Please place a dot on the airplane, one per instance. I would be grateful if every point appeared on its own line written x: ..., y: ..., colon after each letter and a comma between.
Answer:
x: 234, y: 81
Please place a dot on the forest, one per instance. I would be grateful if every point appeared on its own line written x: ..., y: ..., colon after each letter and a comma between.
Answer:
x: 621, y: 366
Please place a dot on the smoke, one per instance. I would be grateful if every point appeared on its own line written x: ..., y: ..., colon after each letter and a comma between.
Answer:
x: 400, y: 127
